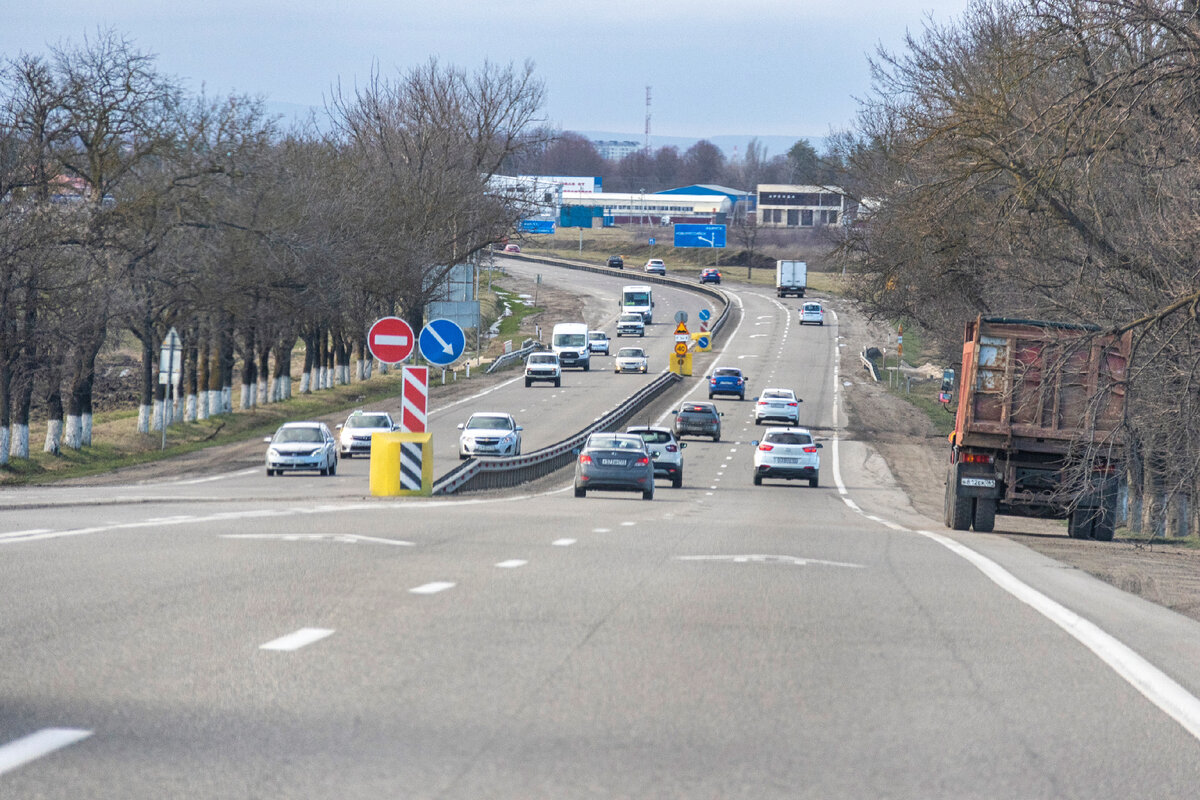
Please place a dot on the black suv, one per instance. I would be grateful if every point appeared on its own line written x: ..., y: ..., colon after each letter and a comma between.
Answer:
x: 698, y: 419
x: 616, y: 262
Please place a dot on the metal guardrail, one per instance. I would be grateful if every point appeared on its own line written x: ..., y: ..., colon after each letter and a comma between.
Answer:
x: 513, y: 356
x: 869, y: 365
x: 495, y: 473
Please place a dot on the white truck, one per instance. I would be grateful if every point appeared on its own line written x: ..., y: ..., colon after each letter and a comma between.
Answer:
x: 791, y: 277
x: 640, y: 299
x: 569, y: 341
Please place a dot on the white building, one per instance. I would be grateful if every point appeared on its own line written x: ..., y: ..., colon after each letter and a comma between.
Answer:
x: 614, y: 150
x: 790, y: 206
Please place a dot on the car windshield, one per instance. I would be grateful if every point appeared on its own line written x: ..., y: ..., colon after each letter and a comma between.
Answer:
x: 727, y: 372
x: 368, y: 421
x: 637, y: 298
x: 630, y: 352
x: 568, y: 339
x: 597, y: 336
x: 788, y: 438
x: 654, y: 437
x: 489, y: 423
x: 284, y: 435
x: 631, y: 318
x: 546, y: 359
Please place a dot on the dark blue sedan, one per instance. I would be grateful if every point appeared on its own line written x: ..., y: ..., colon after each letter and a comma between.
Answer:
x: 727, y: 380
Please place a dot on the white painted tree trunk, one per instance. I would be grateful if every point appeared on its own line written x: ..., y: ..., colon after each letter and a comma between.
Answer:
x: 143, y: 419
x: 73, y: 435
x: 54, y: 430
x: 368, y: 369
x: 156, y: 416
x: 263, y: 396
x: 214, y: 403
x: 247, y: 400
x: 227, y: 399
x: 305, y: 382
x: 4, y: 437
x: 360, y: 369
x: 85, y: 430
x: 19, y: 446
x: 189, y: 408
x: 287, y: 387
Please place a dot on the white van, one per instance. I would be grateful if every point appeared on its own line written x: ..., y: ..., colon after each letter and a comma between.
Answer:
x: 640, y: 299
x: 570, y: 342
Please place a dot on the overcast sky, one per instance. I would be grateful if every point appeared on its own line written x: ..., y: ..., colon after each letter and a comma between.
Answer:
x: 716, y: 67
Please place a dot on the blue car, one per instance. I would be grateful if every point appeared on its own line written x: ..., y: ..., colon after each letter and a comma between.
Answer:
x: 727, y: 380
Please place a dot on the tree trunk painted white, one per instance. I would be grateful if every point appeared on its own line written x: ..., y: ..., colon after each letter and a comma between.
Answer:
x: 156, y: 415
x: 189, y: 408
x: 305, y: 382
x: 360, y: 369
x: 19, y: 444
x: 247, y: 400
x: 73, y: 435
x: 85, y: 430
x: 263, y: 397
x: 287, y: 387
x: 4, y: 437
x: 227, y: 399
x: 143, y: 419
x: 214, y: 403
x: 370, y: 368
x: 54, y: 430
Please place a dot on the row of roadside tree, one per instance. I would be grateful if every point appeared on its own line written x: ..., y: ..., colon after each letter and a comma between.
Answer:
x: 129, y: 207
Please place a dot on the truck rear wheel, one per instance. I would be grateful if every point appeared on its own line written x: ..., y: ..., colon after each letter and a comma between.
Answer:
x: 985, y: 514
x: 1079, y: 524
x: 958, y: 510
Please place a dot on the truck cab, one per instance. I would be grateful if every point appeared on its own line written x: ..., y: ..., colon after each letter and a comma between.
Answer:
x: 570, y: 342
x: 638, y: 299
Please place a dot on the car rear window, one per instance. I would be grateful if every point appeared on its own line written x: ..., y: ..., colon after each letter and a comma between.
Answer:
x: 655, y: 437
x: 788, y: 438
x: 727, y: 371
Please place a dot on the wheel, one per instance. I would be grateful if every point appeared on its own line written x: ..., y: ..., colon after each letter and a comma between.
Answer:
x: 642, y: 333
x: 821, y: 323
x: 741, y: 396
x: 323, y: 470
x: 958, y: 510
x: 347, y: 455
x: 1079, y: 524
x: 557, y: 382
x: 710, y: 395
x: 757, y: 421
x: 587, y: 367
x: 757, y: 479
x: 814, y: 482
x: 985, y: 515
x: 270, y: 472
x: 677, y: 481
x: 580, y: 491
x: 462, y: 456
x: 528, y: 383
x: 716, y: 437
x: 648, y: 494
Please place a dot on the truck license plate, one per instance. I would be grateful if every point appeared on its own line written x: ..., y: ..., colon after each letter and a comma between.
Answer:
x: 987, y: 483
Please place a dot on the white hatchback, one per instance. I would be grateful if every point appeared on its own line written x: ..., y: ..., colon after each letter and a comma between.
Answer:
x: 779, y: 405
x: 812, y: 312
x: 489, y: 433
x: 630, y: 359
x: 787, y: 453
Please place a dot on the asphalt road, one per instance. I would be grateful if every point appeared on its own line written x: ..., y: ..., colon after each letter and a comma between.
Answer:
x: 722, y: 641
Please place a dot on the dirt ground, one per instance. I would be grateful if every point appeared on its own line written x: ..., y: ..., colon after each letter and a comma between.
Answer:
x: 917, y: 456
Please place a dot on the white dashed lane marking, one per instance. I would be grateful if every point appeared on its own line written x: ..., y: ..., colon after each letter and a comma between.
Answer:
x: 294, y: 641
x: 29, y: 748
x: 512, y: 563
x: 432, y: 588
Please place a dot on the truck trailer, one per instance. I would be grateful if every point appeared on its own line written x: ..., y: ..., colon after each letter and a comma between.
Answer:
x: 791, y: 277
x: 1037, y: 431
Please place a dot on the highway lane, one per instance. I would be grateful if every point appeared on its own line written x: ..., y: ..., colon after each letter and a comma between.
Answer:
x: 724, y: 640
x: 548, y: 414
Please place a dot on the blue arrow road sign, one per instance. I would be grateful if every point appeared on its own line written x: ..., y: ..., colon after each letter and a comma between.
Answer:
x: 442, y: 342
x: 704, y: 314
x: 687, y: 235
x: 702, y: 342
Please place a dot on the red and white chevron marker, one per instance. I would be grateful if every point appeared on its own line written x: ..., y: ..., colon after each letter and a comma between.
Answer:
x: 415, y: 399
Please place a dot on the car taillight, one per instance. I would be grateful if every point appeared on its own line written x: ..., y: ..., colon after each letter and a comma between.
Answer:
x: 792, y: 405
x: 584, y: 458
x: 766, y: 447
x: 643, y: 461
x: 762, y: 402
x: 672, y: 448
x: 810, y: 449
x: 739, y: 381
x: 977, y: 458
x: 712, y: 380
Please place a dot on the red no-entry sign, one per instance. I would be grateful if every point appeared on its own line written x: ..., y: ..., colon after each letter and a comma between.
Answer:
x: 390, y: 340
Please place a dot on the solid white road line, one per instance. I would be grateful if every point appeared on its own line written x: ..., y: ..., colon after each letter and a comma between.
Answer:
x: 294, y: 641
x: 34, y: 746
x: 512, y: 563
x: 563, y: 542
x: 432, y: 588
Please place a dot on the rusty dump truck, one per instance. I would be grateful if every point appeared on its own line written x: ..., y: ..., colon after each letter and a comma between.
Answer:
x: 1038, y: 427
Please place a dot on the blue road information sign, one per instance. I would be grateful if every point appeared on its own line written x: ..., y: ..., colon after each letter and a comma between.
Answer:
x: 575, y: 217
x: 652, y: 240
x: 442, y: 342
x: 687, y: 235
x: 702, y: 341
x: 704, y: 315
x: 537, y: 225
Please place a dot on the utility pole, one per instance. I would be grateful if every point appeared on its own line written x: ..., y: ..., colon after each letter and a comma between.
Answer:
x: 647, y: 145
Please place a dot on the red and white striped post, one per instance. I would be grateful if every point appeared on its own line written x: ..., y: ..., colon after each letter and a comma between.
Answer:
x: 414, y: 399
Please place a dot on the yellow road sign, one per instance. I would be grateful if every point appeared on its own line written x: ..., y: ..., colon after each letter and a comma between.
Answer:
x: 680, y: 349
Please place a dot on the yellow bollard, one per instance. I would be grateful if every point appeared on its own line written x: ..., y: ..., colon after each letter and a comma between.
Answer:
x: 401, y: 464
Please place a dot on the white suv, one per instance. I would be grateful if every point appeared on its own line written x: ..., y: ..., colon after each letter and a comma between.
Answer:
x: 665, y: 449
x: 631, y: 323
x: 788, y: 453
x: 543, y: 367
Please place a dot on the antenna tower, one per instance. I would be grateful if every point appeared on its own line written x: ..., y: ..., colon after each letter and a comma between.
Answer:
x: 647, y: 145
